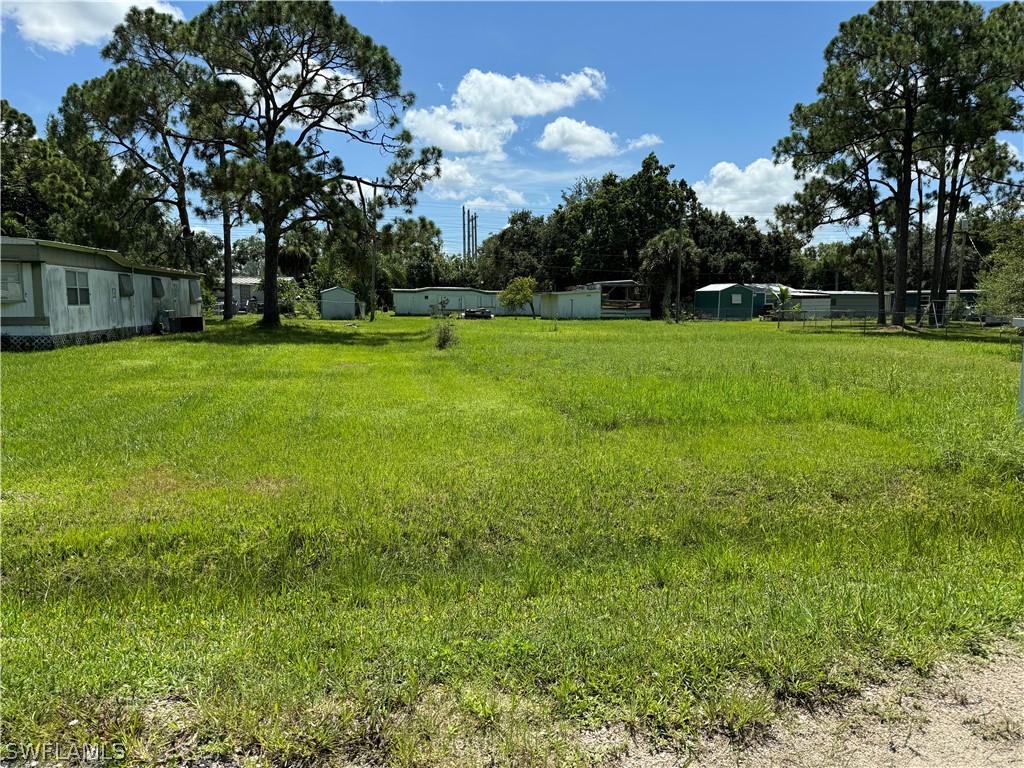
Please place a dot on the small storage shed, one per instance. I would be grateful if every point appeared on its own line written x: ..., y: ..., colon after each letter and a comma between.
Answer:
x: 571, y: 305
x: 59, y: 294
x: 724, y: 301
x: 337, y: 303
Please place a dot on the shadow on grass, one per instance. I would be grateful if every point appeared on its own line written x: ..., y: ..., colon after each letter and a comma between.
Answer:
x: 244, y: 334
x: 975, y: 334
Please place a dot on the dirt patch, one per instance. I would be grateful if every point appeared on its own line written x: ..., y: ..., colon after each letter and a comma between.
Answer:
x: 969, y: 714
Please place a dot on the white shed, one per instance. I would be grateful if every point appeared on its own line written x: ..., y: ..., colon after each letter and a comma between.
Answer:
x: 337, y: 303
x: 571, y: 305
x: 57, y: 294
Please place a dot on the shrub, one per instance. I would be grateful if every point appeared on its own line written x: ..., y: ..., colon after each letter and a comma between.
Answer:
x: 445, y: 335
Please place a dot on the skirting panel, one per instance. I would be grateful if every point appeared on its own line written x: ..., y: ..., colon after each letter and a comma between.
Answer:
x: 10, y: 343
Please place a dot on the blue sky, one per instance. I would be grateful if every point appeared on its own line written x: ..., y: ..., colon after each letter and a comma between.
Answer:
x: 526, y: 97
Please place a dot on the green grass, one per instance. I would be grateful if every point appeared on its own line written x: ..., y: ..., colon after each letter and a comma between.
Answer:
x: 333, y: 540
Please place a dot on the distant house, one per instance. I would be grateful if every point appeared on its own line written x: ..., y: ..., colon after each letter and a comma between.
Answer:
x: 338, y: 304
x: 58, y: 294
x: 418, y: 301
x: 855, y: 303
x: 246, y: 287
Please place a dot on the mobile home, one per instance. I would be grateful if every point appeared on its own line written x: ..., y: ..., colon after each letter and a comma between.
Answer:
x: 58, y: 294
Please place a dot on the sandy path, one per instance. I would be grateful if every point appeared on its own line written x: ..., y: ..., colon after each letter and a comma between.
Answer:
x: 968, y: 715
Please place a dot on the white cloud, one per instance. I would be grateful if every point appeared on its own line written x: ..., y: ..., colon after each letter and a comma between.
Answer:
x: 579, y: 140
x: 647, y: 140
x: 482, y: 115
x: 753, y: 191
x: 510, y: 196
x: 1016, y: 152
x: 582, y: 141
x: 504, y: 199
x: 455, y: 179
x: 60, y: 26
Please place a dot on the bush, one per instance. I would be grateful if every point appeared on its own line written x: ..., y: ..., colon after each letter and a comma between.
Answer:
x: 445, y: 335
x: 308, y: 308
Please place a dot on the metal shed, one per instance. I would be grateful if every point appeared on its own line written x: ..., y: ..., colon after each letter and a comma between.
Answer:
x: 571, y: 305
x: 337, y: 303
x: 724, y: 301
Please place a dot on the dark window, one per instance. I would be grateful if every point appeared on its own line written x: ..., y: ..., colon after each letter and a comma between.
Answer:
x: 125, y: 285
x: 78, y: 287
x: 193, y: 291
x: 158, y: 288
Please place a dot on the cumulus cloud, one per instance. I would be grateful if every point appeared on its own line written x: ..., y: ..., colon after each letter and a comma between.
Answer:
x: 455, y: 179
x: 579, y: 140
x: 481, y: 117
x: 60, y: 26
x: 647, y: 140
x: 503, y: 198
x: 582, y: 141
x: 753, y: 191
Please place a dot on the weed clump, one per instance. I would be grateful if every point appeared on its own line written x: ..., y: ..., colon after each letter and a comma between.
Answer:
x: 445, y: 334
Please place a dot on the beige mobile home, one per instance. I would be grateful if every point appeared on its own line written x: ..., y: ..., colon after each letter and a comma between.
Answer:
x: 57, y: 294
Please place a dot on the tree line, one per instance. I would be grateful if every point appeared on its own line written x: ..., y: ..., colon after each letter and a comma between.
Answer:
x: 906, y: 124
x: 227, y: 117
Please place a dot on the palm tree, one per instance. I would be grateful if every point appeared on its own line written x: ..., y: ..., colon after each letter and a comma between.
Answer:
x: 663, y: 258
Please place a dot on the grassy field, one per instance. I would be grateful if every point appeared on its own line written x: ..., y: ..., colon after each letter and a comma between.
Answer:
x: 328, y: 540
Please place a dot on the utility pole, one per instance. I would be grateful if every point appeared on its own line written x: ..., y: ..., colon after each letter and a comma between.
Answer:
x: 464, y: 251
x: 472, y: 230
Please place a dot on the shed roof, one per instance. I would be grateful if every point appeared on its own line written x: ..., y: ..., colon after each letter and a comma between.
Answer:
x: 722, y: 286
x: 337, y: 288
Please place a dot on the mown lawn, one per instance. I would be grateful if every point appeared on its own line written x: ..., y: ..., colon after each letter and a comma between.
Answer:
x: 342, y: 541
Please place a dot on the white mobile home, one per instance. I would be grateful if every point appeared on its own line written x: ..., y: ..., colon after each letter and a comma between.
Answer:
x: 419, y: 301
x: 57, y: 294
x: 337, y: 304
x: 813, y: 304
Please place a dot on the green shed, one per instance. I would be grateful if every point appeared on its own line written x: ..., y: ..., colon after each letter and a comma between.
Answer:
x: 724, y: 301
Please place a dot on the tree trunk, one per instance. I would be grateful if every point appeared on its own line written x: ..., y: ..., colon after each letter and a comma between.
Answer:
x: 876, y: 242
x: 229, y: 303
x: 956, y: 188
x: 920, y: 244
x: 936, y: 301
x: 903, y: 195
x: 272, y: 249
